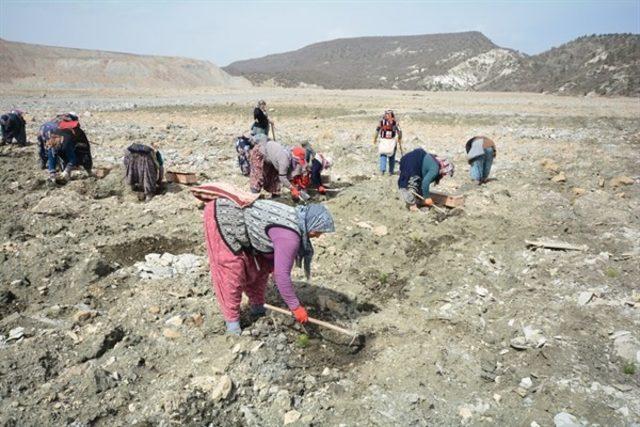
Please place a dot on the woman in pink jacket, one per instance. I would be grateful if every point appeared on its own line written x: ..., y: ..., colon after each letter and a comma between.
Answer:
x: 246, y: 244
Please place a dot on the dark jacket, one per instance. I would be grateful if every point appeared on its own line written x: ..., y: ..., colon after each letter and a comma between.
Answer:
x: 410, y: 165
x: 261, y: 119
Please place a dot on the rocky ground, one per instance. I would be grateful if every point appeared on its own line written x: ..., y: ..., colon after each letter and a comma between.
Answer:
x: 108, y: 317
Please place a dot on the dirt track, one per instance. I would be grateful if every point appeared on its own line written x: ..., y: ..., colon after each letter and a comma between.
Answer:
x: 443, y: 301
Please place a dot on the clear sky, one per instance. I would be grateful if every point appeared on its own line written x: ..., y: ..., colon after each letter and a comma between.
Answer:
x: 226, y: 31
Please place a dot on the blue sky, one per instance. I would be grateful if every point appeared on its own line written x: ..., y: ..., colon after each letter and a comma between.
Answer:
x: 225, y: 31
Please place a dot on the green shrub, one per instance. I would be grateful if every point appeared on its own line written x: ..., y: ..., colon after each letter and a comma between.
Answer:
x: 629, y: 368
x: 302, y: 341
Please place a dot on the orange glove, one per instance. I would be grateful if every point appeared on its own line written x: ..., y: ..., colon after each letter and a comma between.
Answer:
x: 428, y: 202
x: 321, y: 189
x: 295, y: 193
x: 301, y: 314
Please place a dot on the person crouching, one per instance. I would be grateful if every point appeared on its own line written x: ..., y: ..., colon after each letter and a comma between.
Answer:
x: 60, y: 148
x: 418, y: 170
x: 144, y: 169
x: 481, y: 151
x: 245, y: 245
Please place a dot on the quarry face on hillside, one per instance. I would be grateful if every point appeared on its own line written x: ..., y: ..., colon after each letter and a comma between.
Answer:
x: 107, y: 316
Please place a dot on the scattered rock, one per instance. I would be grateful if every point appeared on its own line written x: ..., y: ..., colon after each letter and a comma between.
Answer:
x: 196, y: 320
x: 380, y: 230
x: 549, y: 165
x: 565, y: 419
x: 624, y: 411
x: 534, y: 336
x: 154, y: 309
x: 526, y: 383
x: 171, y: 333
x: 578, y: 191
x: 223, y: 390
x: 559, y: 177
x: 101, y: 381
x: 465, y: 413
x: 522, y: 392
x: 282, y: 401
x: 480, y: 291
x: 84, y: 315
x: 585, y: 297
x: 291, y: 417
x: 626, y: 347
x: 166, y: 266
x: 174, y: 321
x: 620, y: 180
x: 16, y: 333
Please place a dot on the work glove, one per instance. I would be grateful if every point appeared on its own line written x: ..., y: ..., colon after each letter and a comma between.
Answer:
x: 321, y: 189
x: 428, y: 202
x: 301, y: 314
x: 295, y: 193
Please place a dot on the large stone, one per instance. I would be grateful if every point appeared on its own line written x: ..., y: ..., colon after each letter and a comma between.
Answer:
x: 626, y: 347
x: 282, y: 401
x: 380, y: 230
x: 174, y: 321
x: 584, y: 298
x: 223, y: 389
x: 621, y: 180
x: 565, y: 419
x: 291, y: 417
x: 172, y: 334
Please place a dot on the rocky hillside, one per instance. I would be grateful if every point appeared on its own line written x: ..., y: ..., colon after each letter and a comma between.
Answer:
x: 603, y: 64
x: 606, y: 64
x: 28, y: 65
x: 367, y: 62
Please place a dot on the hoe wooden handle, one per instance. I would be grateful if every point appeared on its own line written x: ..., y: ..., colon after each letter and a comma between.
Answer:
x: 314, y: 321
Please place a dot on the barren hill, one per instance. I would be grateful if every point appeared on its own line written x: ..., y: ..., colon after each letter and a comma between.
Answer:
x: 607, y: 64
x: 368, y: 62
x: 604, y: 64
x: 24, y: 64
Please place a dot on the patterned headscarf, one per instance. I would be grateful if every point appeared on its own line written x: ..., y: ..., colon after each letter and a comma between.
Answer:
x: 311, y: 218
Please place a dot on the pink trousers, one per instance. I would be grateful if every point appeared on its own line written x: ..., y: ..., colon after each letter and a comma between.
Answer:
x: 232, y: 274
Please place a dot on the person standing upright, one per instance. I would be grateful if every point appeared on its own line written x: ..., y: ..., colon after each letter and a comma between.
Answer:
x: 261, y: 120
x: 389, y: 138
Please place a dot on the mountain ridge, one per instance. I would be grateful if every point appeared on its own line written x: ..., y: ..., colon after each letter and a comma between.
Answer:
x: 453, y: 61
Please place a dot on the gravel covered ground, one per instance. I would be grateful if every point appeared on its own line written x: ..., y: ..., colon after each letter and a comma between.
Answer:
x: 464, y: 324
